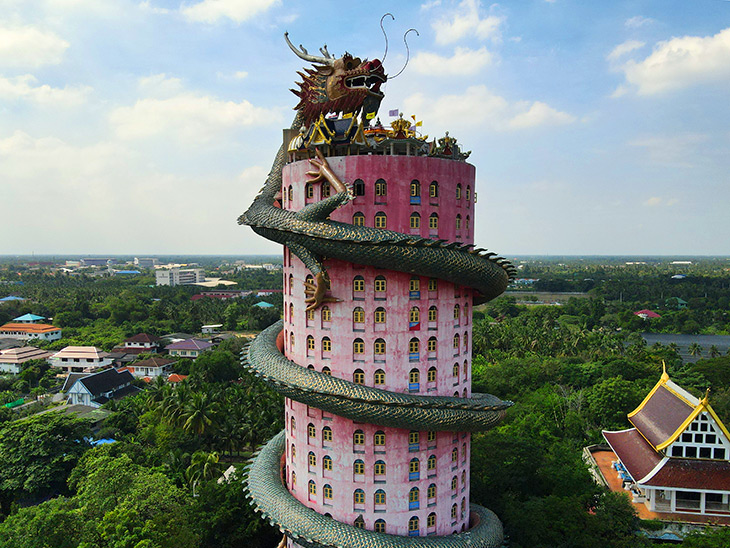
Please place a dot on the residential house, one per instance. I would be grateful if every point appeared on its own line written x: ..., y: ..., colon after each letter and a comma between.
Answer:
x: 156, y: 366
x: 141, y: 343
x: 28, y: 318
x: 211, y: 328
x: 646, y: 314
x: 98, y: 388
x: 190, y: 348
x: 30, y: 331
x: 676, y: 458
x: 80, y: 359
x: 11, y: 359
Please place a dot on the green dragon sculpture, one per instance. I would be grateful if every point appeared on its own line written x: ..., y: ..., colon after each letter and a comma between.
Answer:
x: 349, y: 85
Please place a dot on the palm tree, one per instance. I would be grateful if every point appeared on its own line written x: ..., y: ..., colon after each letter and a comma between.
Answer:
x: 674, y: 347
x: 714, y: 351
x: 203, y: 467
x: 695, y: 349
x: 199, y: 413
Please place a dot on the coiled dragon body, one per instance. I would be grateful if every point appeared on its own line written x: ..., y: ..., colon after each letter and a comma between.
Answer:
x: 350, y: 85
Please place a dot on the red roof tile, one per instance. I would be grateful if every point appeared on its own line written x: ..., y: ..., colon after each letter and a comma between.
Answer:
x: 29, y: 327
x: 693, y: 474
x: 142, y: 338
x: 661, y: 415
x: 635, y: 453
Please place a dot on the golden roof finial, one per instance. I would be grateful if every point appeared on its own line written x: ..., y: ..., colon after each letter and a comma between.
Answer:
x: 706, y: 399
x: 665, y: 375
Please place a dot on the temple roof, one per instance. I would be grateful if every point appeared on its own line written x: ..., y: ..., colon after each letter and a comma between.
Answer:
x: 634, y: 451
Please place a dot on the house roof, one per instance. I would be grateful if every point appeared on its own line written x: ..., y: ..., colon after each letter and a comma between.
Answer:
x: 71, y: 380
x: 106, y: 381
x: 81, y: 352
x: 29, y: 327
x: 263, y: 304
x: 29, y: 318
x: 190, y: 344
x: 664, y: 410
x: 636, y: 454
x: 154, y: 361
x: 142, y: 338
x: 22, y: 354
x: 11, y: 298
x: 176, y: 378
x: 648, y: 313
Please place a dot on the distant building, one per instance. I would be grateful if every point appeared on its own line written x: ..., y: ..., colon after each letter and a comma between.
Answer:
x: 30, y: 331
x: 264, y: 304
x: 28, y: 318
x: 126, y: 272
x: 11, y: 359
x: 211, y: 328
x: 97, y: 261
x: 676, y: 459
x: 222, y: 294
x: 97, y: 389
x: 646, y: 314
x: 155, y: 366
x: 675, y: 302
x: 146, y: 262
x: 10, y: 299
x: 179, y: 276
x: 141, y: 342
x: 80, y: 359
x: 190, y: 348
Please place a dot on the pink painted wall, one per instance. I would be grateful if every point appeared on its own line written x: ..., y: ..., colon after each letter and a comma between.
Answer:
x: 397, y: 362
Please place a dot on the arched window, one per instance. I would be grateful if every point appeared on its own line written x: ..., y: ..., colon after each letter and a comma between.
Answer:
x: 358, y: 286
x: 358, y: 348
x: 414, y: 496
x: 431, y: 520
x: 326, y: 370
x: 457, y: 342
x: 463, y: 452
x: 312, y: 489
x: 431, y: 374
x: 414, y: 469
x: 309, y: 191
x: 293, y: 479
x: 381, y: 220
x: 359, y: 523
x: 431, y: 344
x: 431, y: 464
x: 463, y: 507
x: 291, y: 283
x: 414, y: 316
x: 458, y: 223
x: 358, y: 467
x: 455, y: 454
x: 309, y: 279
x: 433, y: 221
x: 379, y: 468
x: 453, y: 511
x: 468, y: 193
x: 414, y: 379
x: 379, y: 347
x: 433, y: 189
x: 415, y: 191
x: 311, y: 431
x: 379, y: 497
x: 310, y: 344
x: 327, y: 492
x: 326, y: 433
x: 454, y: 483
x: 379, y: 377
x: 358, y: 376
x: 358, y: 315
x: 431, y: 492
x: 414, y: 349
x: 358, y: 497
x: 310, y: 316
x: 413, y: 527
x: 358, y: 440
x: 379, y: 315
x: 293, y: 452
x: 467, y: 223
x: 291, y: 194
x: 358, y: 187
x: 326, y: 189
x: 415, y: 221
x: 380, y: 526
x: 455, y: 371
x: 466, y: 341
x: 380, y: 286
x: 463, y: 394
x: 326, y: 314
x: 381, y: 190
x: 458, y: 191
x: 312, y: 461
x: 466, y: 369
x: 326, y: 463
x: 293, y: 425
x: 433, y: 314
x: 358, y: 219
x: 466, y: 313
x: 326, y: 345
x: 291, y: 312
x: 379, y: 438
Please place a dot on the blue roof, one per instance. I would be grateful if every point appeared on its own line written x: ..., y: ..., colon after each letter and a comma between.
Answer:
x: 264, y: 305
x: 12, y: 298
x: 29, y: 318
x: 102, y: 441
x: 128, y: 272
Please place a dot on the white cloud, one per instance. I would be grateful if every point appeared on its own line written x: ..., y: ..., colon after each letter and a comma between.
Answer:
x: 638, y: 21
x: 478, y: 107
x: 682, y: 62
x: 467, y: 22
x: 429, y: 5
x: 624, y: 48
x: 29, y: 46
x: 187, y: 117
x: 653, y: 201
x: 147, y: 6
x: 211, y: 11
x: 160, y: 85
x: 25, y: 88
x: 464, y: 61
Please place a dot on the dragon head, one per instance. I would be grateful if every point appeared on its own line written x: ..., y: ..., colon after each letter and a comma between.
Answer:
x: 345, y: 84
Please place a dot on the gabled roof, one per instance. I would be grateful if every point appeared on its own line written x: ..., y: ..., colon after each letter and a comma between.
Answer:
x: 190, y: 344
x: 81, y: 352
x: 666, y: 412
x: 647, y: 313
x: 635, y: 453
x: 29, y: 327
x: 154, y: 361
x: 106, y: 381
x: 29, y: 318
x: 142, y: 338
x: 176, y: 378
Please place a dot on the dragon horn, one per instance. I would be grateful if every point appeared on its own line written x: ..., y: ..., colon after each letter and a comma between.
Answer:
x: 302, y: 54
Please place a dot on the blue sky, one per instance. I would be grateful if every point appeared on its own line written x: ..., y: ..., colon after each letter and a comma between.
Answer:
x: 143, y: 127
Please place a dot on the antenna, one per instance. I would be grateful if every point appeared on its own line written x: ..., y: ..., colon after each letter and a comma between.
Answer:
x: 385, y: 35
x: 408, y: 50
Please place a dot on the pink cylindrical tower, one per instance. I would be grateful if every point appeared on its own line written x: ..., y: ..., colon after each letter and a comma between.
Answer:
x: 390, y: 330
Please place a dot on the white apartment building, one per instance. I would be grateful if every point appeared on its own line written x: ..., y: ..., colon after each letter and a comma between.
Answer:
x: 179, y: 276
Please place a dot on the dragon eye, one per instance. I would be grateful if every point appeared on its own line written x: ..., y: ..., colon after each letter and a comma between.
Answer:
x: 349, y: 65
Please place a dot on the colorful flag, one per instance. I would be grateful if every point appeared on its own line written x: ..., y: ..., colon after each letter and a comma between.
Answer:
x: 419, y: 124
x: 414, y: 326
x: 393, y: 112
x: 347, y: 115
x: 370, y: 116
